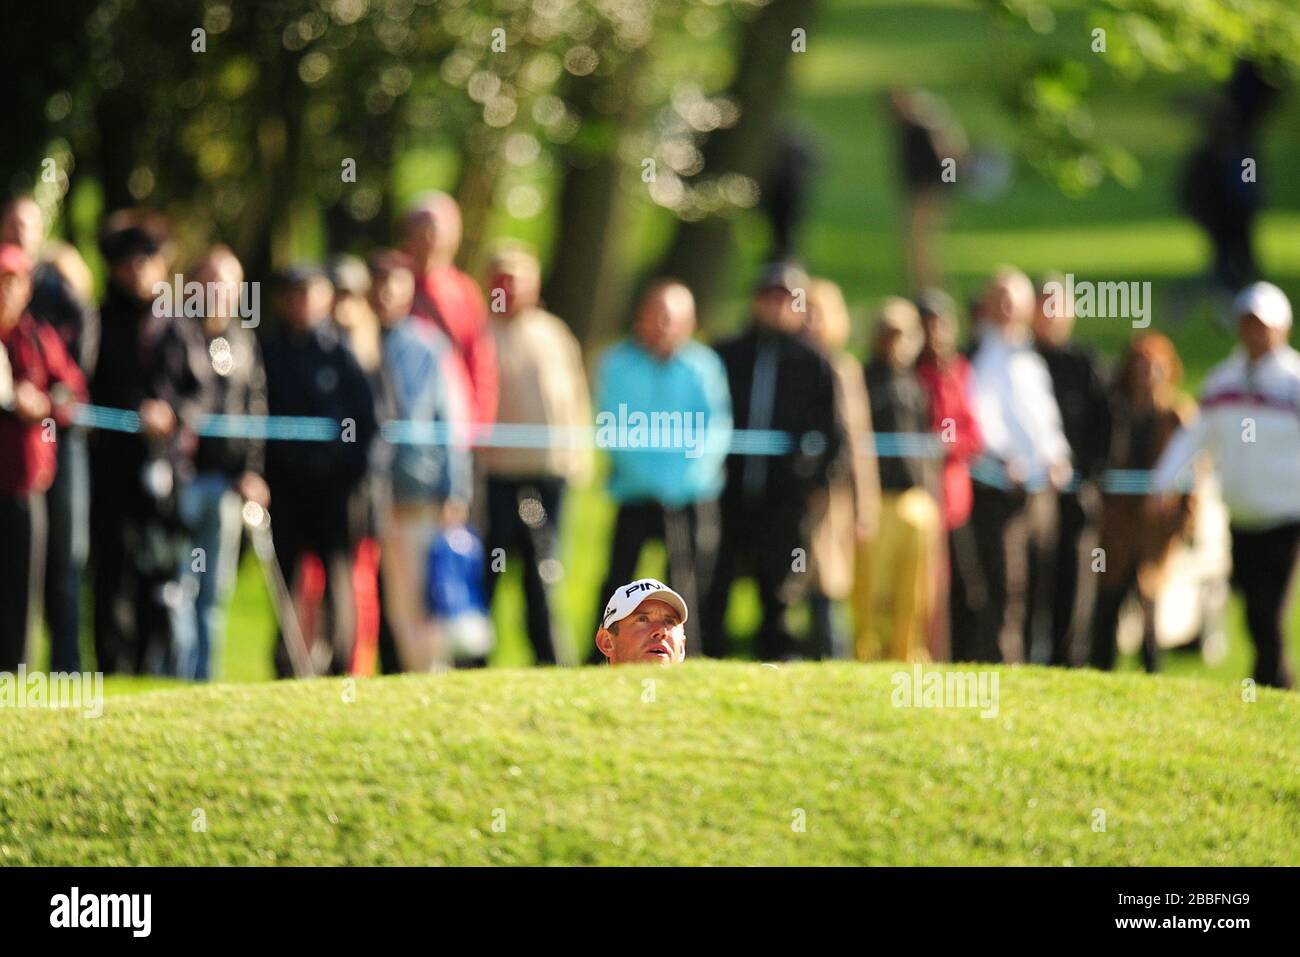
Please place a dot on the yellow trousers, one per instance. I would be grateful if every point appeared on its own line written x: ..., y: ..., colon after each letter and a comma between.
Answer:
x: 893, y: 579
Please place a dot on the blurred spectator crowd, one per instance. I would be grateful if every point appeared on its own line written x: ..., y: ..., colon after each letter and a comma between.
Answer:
x: 935, y: 503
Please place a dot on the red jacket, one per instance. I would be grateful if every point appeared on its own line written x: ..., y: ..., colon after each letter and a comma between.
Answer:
x: 949, y: 391
x: 452, y: 301
x: 27, y: 449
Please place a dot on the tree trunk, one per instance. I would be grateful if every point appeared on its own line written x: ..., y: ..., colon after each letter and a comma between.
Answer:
x: 582, y: 287
x: 474, y: 195
x: 267, y: 229
x: 116, y: 116
x: 374, y: 149
x: 701, y: 252
x: 587, y: 282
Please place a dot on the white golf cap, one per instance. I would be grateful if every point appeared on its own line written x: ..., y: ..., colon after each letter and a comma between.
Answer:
x: 625, y: 600
x: 1266, y: 302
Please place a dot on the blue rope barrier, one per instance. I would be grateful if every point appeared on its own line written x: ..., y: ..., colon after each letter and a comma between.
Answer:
x: 288, y: 428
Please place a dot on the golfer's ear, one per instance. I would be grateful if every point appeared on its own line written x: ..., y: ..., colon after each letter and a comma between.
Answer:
x: 605, y: 642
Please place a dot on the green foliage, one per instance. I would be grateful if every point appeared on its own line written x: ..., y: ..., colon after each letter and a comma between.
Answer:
x: 1130, y: 39
x: 237, y: 118
x: 244, y: 141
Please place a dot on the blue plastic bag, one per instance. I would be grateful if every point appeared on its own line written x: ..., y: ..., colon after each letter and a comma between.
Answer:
x: 455, y: 595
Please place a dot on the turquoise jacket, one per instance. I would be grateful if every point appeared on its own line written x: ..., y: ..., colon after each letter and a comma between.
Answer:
x: 666, y: 425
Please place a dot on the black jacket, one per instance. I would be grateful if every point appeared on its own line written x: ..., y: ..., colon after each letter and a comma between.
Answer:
x: 143, y: 356
x: 54, y: 303
x: 898, y: 404
x: 238, y: 388
x: 1081, y: 395
x: 796, y: 395
x: 314, y: 374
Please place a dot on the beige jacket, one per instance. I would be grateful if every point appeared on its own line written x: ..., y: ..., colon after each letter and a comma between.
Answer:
x: 542, y: 382
x: 852, y: 498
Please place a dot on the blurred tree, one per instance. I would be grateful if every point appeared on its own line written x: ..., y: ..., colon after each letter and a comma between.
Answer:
x: 245, y: 122
x: 738, y: 155
x: 51, y: 100
x: 587, y: 274
x: 1059, y: 133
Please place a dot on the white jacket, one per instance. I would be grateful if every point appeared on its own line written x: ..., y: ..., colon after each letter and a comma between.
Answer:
x: 1250, y: 426
x: 1010, y: 389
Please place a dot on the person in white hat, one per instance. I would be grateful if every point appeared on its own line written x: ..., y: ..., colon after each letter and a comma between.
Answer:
x: 1249, y: 424
x: 643, y: 622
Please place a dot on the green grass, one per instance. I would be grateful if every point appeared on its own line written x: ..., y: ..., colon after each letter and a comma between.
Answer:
x: 579, y: 767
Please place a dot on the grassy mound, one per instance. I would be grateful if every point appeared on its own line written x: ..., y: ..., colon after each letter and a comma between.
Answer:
x: 712, y: 763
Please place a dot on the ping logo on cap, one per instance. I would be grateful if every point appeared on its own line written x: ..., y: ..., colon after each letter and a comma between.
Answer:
x: 625, y: 600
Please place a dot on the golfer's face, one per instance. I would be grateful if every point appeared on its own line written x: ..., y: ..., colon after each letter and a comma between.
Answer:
x: 653, y: 632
